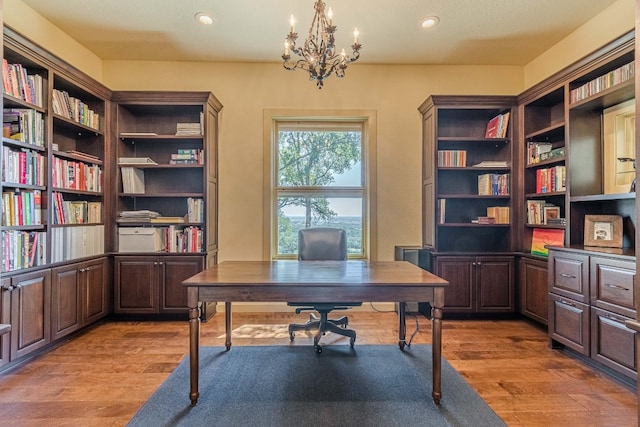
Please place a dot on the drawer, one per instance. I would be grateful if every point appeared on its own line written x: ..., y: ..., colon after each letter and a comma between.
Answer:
x: 613, y: 344
x: 569, y: 323
x: 569, y: 275
x: 612, y: 285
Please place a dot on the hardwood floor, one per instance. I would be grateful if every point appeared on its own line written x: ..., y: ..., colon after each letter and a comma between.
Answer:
x: 103, y: 377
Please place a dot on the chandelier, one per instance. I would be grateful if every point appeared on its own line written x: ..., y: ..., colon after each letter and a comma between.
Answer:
x: 318, y: 54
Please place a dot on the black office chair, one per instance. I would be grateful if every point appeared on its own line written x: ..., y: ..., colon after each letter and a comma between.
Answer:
x: 323, y: 244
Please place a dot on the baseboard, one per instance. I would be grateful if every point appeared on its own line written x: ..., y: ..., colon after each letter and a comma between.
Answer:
x: 282, y: 307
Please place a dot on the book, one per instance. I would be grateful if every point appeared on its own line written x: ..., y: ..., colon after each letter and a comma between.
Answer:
x: 129, y: 134
x: 497, y: 126
x: 546, y: 237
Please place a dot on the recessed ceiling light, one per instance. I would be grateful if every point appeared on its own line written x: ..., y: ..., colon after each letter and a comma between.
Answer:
x: 204, y: 18
x: 430, y: 21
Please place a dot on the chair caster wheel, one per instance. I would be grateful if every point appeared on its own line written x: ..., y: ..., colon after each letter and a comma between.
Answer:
x: 318, y: 349
x: 401, y: 344
x: 352, y: 341
x: 292, y: 336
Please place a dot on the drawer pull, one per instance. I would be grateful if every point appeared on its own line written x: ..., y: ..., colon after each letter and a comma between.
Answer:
x: 614, y: 319
x: 570, y: 276
x: 570, y: 304
x: 611, y: 285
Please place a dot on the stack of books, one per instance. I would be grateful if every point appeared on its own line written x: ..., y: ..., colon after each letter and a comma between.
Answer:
x: 189, y: 129
x: 137, y: 216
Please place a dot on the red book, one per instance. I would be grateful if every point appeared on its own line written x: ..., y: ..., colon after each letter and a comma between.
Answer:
x: 493, y: 127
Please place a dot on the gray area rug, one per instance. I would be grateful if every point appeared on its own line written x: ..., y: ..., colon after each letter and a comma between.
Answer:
x: 368, y: 385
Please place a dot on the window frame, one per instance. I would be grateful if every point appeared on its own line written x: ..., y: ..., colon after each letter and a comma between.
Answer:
x: 274, y: 120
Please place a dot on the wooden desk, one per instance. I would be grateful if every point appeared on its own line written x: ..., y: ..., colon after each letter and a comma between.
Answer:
x: 317, y: 281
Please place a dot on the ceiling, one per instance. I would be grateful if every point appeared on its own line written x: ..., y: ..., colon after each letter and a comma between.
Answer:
x: 489, y: 32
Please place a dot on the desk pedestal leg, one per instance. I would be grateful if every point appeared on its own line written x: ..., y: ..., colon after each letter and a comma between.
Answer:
x: 402, y: 327
x: 436, y: 327
x: 227, y: 322
x: 194, y: 342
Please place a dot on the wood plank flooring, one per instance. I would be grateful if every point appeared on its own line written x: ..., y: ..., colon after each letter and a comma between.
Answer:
x: 103, y: 377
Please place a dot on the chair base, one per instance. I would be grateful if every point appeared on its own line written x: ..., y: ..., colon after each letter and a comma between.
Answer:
x: 324, y: 325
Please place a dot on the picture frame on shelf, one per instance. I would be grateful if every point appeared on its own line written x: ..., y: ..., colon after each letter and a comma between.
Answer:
x: 550, y: 212
x: 603, y: 231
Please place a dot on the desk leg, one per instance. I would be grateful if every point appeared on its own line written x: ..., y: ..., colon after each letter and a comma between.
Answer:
x: 227, y: 323
x: 194, y: 342
x: 436, y: 345
x: 402, y: 327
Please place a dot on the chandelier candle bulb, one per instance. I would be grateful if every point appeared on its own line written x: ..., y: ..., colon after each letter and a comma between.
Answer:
x: 355, y: 36
x: 330, y: 16
x: 292, y: 22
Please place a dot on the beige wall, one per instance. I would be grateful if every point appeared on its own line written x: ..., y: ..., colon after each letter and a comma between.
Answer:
x: 246, y: 89
x: 614, y: 21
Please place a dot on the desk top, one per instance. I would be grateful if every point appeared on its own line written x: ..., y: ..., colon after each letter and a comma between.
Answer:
x: 324, y: 273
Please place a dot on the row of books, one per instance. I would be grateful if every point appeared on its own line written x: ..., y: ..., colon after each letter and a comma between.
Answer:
x: 74, y: 109
x: 75, y: 211
x: 18, y: 83
x: 501, y: 214
x: 23, y: 249
x: 612, y: 78
x: 493, y: 184
x: 497, y: 126
x: 540, y: 151
x: 550, y: 180
x: 195, y: 210
x: 24, y: 125
x: 132, y: 180
x: 183, y: 239
x: 187, y: 156
x: 452, y: 158
x: 23, y: 166
x: 73, y: 175
x: 21, y: 208
x: 541, y: 212
x: 69, y: 243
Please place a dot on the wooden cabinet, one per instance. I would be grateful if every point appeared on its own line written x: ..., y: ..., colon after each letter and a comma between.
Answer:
x: 591, y: 297
x: 477, y: 284
x: 26, y: 297
x: 533, y: 292
x: 79, y: 295
x: 153, y: 284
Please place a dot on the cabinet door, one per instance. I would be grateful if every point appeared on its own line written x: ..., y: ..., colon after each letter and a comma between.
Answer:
x: 612, y: 344
x: 534, y: 297
x: 30, y: 312
x: 458, y: 297
x: 569, y: 323
x: 174, y: 270
x: 5, y: 317
x: 95, y: 304
x: 136, y: 285
x: 494, y: 278
x: 66, y: 297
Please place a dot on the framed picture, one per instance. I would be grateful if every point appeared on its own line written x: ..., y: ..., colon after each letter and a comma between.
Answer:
x: 603, y: 231
x: 550, y: 212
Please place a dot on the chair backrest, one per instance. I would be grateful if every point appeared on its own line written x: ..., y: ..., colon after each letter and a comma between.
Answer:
x: 322, y: 244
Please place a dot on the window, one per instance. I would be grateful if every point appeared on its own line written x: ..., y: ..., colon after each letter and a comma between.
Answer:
x: 318, y: 179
